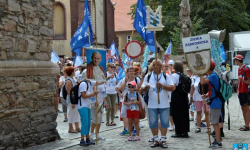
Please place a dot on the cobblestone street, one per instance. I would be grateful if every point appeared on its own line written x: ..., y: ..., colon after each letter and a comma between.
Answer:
x: 115, y: 141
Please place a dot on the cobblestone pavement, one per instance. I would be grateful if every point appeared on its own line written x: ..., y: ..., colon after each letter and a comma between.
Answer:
x: 116, y: 142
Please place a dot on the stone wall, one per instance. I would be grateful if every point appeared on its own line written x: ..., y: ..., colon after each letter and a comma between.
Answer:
x: 27, y: 76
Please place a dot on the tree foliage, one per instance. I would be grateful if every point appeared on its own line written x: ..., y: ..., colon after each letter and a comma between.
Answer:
x: 206, y: 15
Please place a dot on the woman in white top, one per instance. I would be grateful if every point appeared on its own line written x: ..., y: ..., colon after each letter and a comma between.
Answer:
x: 73, y: 115
x: 111, y: 94
x: 64, y: 103
x: 197, y: 99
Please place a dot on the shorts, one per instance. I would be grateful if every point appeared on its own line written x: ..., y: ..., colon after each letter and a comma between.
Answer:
x: 222, y: 113
x: 244, y: 99
x: 215, y: 116
x: 93, y: 115
x: 199, y: 105
x: 120, y: 111
x: 155, y: 113
x: 132, y: 114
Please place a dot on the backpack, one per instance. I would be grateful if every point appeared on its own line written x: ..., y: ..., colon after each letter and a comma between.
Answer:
x: 184, y: 83
x: 225, y: 90
x: 146, y: 97
x: 64, y: 91
x: 136, y: 81
x: 146, y: 71
x: 245, y: 76
x: 74, y: 93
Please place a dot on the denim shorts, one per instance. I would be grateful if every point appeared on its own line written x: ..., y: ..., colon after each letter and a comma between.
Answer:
x: 154, y: 113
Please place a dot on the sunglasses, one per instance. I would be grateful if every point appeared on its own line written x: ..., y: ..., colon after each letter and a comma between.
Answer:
x: 130, y: 86
x: 111, y: 67
x: 171, y: 65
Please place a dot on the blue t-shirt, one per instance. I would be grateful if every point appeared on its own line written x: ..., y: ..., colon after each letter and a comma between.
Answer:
x: 214, y: 79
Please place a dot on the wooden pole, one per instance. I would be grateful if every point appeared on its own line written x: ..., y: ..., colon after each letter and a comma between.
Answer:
x: 157, y: 78
x: 89, y: 38
x: 206, y: 116
x: 96, y: 107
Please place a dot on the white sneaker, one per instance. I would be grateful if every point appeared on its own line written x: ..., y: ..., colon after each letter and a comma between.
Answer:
x: 100, y: 138
x: 171, y: 128
x: 141, y: 125
x: 92, y: 136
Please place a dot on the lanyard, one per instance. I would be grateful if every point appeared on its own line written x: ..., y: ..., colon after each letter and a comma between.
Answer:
x: 131, y: 95
x: 155, y: 77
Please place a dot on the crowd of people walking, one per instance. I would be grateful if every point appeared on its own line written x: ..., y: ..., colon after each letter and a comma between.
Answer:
x: 157, y: 89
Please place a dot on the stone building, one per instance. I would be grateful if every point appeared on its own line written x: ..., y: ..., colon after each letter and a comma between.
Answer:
x: 69, y: 15
x: 27, y: 76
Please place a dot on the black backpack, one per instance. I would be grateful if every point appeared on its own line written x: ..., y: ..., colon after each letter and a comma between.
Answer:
x: 184, y: 83
x: 64, y: 91
x: 74, y: 98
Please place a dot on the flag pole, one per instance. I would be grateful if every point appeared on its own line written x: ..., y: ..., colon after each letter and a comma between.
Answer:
x: 156, y: 57
x: 96, y: 107
x: 89, y: 38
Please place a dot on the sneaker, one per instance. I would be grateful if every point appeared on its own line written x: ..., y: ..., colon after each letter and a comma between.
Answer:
x: 198, y: 130
x: 89, y: 142
x: 171, y: 128
x: 59, y: 111
x: 134, y: 133
x: 212, y: 133
x: 65, y: 120
x: 209, y: 131
x: 124, y: 132
x: 141, y: 125
x: 137, y: 138
x: 202, y: 124
x: 83, y: 143
x: 92, y: 136
x: 130, y: 138
x: 215, y: 145
x: 151, y: 140
x: 191, y: 119
x: 100, y: 138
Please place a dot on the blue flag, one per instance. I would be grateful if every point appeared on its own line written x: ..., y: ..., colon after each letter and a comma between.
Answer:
x: 54, y: 57
x: 78, y: 61
x: 223, y: 55
x: 81, y: 37
x: 168, y: 51
x: 140, y: 24
x: 121, y: 74
x: 114, y: 50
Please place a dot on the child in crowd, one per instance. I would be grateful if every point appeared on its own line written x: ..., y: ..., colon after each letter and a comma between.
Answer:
x: 132, y: 101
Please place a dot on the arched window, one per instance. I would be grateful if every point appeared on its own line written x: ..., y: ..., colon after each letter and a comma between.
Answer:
x: 59, y: 21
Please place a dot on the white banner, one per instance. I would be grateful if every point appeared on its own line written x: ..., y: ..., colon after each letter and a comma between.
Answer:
x: 196, y: 43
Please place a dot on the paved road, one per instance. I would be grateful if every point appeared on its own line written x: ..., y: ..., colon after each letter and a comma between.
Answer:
x: 114, y: 141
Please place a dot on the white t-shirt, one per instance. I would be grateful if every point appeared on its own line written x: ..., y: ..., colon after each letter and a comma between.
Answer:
x: 195, y: 83
x: 77, y: 73
x: 101, y: 93
x: 175, y: 78
x: 61, y: 80
x: 83, y: 88
x: 111, y: 84
x: 126, y: 87
x: 152, y: 92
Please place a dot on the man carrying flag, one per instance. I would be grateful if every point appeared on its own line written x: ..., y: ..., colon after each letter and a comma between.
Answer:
x: 83, y: 36
x: 140, y: 24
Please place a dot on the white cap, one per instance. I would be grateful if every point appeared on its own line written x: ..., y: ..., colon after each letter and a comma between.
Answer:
x: 187, y: 69
x: 170, y: 62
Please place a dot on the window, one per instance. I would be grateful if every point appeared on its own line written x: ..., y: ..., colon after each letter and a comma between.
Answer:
x: 128, y: 39
x: 59, y: 22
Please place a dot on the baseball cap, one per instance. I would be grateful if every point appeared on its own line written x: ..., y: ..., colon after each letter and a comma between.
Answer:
x: 170, y: 62
x: 212, y: 66
x: 239, y: 57
x: 132, y: 83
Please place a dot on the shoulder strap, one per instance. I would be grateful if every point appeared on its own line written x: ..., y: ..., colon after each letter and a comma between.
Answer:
x: 146, y: 70
x: 164, y: 75
x: 126, y: 97
x: 244, y: 71
x: 149, y: 75
x: 86, y: 83
x: 137, y: 95
x: 136, y: 80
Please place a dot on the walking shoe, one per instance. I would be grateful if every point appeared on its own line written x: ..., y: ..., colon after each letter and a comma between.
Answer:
x: 65, y: 120
x: 59, y: 111
x: 134, y: 133
x: 151, y: 140
x: 137, y: 138
x: 202, y: 124
x: 215, y: 145
x: 171, y: 128
x: 130, y: 138
x: 92, y: 136
x: 212, y: 133
x: 198, y: 130
x: 124, y: 132
x: 83, y: 143
x: 100, y: 138
x: 89, y: 142
x: 191, y: 119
